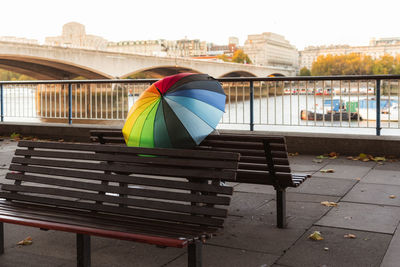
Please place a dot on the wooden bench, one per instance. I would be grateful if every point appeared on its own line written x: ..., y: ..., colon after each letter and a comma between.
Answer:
x: 164, y: 197
x: 264, y: 160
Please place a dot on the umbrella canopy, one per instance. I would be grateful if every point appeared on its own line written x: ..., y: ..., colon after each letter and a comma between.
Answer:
x: 178, y: 111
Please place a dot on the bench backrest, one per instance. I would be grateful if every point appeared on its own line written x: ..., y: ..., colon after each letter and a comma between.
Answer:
x: 264, y: 159
x: 171, y: 185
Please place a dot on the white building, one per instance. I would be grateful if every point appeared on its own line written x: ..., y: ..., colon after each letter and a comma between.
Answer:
x: 178, y: 48
x: 376, y: 49
x: 13, y: 39
x: 74, y: 35
x: 270, y: 49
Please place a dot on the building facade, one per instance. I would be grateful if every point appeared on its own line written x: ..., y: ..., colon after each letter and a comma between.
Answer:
x: 376, y: 49
x: 74, y: 35
x: 177, y: 48
x: 270, y: 49
x: 23, y: 40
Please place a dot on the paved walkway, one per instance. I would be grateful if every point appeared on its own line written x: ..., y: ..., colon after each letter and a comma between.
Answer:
x: 368, y: 197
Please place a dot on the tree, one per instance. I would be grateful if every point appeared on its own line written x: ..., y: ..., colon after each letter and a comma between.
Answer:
x: 305, y: 72
x: 240, y: 57
x: 224, y: 57
x: 351, y: 64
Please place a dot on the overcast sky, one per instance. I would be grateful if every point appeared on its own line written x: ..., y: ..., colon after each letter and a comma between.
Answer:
x: 301, y: 22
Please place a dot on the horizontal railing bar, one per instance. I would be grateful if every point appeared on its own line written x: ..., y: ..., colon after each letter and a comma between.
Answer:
x: 225, y: 79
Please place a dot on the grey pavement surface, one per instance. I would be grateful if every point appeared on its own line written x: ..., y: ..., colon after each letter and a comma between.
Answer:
x: 367, y: 196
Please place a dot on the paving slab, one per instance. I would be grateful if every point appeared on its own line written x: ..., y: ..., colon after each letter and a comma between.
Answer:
x: 111, y: 252
x: 346, y: 169
x: 256, y: 233
x: 366, y: 217
x: 305, y: 163
x: 255, y: 188
x: 392, y: 256
x: 382, y: 176
x: 300, y: 215
x: 374, y: 194
x: 367, y: 249
x: 392, y: 166
x: 245, y: 204
x: 325, y: 186
x: 292, y: 196
x: 215, y: 256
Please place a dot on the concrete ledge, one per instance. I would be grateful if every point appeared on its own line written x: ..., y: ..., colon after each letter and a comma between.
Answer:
x: 304, y: 143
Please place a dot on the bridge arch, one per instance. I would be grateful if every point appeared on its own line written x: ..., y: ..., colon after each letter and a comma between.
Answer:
x: 239, y: 73
x: 48, y: 69
x: 160, y: 71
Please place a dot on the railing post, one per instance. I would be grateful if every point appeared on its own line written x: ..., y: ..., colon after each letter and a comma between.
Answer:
x: 251, y: 106
x: 1, y: 103
x: 378, y: 107
x: 69, y: 103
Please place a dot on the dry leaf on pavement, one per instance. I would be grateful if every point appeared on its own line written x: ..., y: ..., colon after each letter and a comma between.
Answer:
x: 329, y: 203
x: 349, y: 236
x: 316, y: 236
x: 26, y: 241
x: 392, y: 196
x: 327, y: 171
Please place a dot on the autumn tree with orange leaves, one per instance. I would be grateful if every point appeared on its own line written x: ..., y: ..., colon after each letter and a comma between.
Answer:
x: 355, y: 64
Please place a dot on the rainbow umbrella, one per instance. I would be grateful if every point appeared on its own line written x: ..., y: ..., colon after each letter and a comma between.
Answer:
x: 178, y: 111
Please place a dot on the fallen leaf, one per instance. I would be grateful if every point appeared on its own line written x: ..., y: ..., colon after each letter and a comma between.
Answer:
x: 26, y: 241
x: 379, y: 159
x: 348, y: 217
x: 363, y: 156
x: 316, y: 236
x: 350, y: 158
x: 329, y: 204
x: 358, y: 179
x: 392, y: 196
x: 328, y: 171
x: 326, y: 248
x: 349, y: 236
x: 333, y: 154
x: 317, y: 160
x: 365, y: 159
x: 321, y: 157
x: 335, y: 157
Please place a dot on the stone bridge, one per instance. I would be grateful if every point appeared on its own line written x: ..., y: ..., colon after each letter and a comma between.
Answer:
x: 51, y: 62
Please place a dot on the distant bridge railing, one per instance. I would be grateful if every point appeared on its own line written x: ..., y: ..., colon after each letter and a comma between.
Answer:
x: 334, y: 102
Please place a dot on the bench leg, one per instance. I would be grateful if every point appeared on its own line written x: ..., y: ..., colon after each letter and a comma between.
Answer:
x: 1, y: 238
x: 281, y: 207
x: 194, y: 254
x: 83, y: 250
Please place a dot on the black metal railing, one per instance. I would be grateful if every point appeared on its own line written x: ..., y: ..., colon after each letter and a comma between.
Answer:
x: 252, y: 103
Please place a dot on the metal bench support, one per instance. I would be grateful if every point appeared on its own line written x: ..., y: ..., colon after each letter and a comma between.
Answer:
x: 194, y: 254
x: 281, y: 207
x: 1, y: 238
x: 83, y: 250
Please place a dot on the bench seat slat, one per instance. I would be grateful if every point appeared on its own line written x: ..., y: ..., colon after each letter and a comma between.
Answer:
x: 262, y: 167
x: 114, y: 221
x: 248, y: 152
x: 181, y: 153
x: 146, y: 181
x: 130, y: 168
x: 181, y: 162
x: 90, y: 230
x: 142, y: 203
x: 246, y: 138
x: 241, y: 145
x: 156, y: 215
x: 177, y: 196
